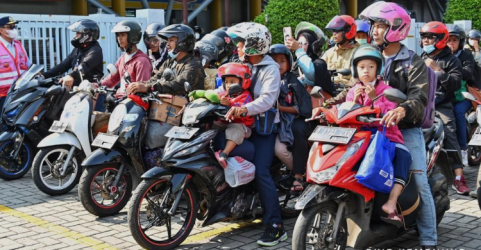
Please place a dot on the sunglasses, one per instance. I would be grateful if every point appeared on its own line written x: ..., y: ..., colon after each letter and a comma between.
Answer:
x: 429, y: 37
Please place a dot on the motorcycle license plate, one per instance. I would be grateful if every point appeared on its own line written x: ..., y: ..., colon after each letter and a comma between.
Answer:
x: 332, y: 134
x: 58, y: 126
x: 181, y: 132
x: 105, y: 141
x: 476, y: 138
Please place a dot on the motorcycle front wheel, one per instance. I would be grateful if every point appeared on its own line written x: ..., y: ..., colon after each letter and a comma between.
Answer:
x: 14, y: 168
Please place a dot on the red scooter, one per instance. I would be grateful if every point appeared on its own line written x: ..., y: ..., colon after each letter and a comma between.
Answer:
x: 339, y: 212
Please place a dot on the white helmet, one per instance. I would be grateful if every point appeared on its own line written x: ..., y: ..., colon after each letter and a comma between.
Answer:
x: 256, y: 37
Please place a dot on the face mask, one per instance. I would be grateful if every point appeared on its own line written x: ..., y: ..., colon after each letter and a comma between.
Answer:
x: 197, y: 36
x: 361, y: 41
x: 429, y: 49
x: 172, y: 55
x: 471, y: 42
x: 75, y: 43
x: 12, y: 33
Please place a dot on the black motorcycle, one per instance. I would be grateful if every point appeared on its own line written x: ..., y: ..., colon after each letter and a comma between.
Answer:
x: 32, y: 104
x: 190, y: 184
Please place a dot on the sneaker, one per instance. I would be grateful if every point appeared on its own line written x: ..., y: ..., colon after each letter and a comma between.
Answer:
x: 221, y: 158
x: 272, y: 236
x: 460, y: 186
x: 464, y: 155
x: 473, y: 194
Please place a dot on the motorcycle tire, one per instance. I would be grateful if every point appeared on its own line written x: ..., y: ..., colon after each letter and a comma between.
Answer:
x: 134, y: 216
x: 304, y: 222
x: 6, y: 175
x: 86, y: 184
x: 40, y: 181
x: 474, y: 152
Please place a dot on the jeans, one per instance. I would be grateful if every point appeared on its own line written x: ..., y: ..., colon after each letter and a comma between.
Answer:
x: 426, y: 219
x: 246, y: 150
x: 460, y: 109
x: 100, y: 106
x: 300, y: 148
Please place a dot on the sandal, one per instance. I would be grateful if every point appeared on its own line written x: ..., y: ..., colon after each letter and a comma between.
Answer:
x: 297, y: 189
x: 221, y: 158
x: 394, y: 218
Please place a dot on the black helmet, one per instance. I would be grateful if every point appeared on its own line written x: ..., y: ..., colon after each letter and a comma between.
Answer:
x: 223, y: 42
x: 151, y: 32
x: 90, y: 31
x: 133, y: 30
x: 185, y: 35
x: 281, y: 49
x: 207, y: 51
x: 197, y: 29
x: 455, y: 30
x: 476, y: 34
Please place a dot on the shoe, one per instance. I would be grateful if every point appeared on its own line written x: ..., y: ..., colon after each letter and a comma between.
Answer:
x: 221, y: 158
x: 473, y: 194
x: 272, y: 236
x: 460, y: 186
x: 464, y: 155
x: 429, y: 247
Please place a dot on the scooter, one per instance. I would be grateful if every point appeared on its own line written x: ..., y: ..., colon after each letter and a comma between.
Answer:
x: 337, y: 211
x: 475, y: 140
x: 473, y: 121
x: 32, y: 104
x: 56, y: 167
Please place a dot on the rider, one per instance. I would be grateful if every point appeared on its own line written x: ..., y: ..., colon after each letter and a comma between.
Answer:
x: 390, y: 24
x: 156, y: 49
x: 473, y: 44
x: 224, y: 43
x: 208, y: 53
x: 362, y: 35
x: 198, y: 33
x: 133, y: 61
x: 434, y: 37
x: 187, y: 68
x: 253, y: 41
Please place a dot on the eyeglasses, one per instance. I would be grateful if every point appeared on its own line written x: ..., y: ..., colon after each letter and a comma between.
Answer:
x: 429, y: 37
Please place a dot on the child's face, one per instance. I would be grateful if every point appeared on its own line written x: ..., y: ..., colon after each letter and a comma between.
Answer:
x: 366, y: 69
x: 230, y: 80
x: 281, y: 59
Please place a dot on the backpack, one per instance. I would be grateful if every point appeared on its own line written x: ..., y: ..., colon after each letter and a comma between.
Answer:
x: 429, y: 111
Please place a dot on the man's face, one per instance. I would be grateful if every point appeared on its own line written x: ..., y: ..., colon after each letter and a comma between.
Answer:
x: 361, y: 35
x: 378, y: 31
x: 428, y: 39
x: 337, y: 36
x: 453, y: 43
x: 240, y: 49
x: 122, y: 38
x: 5, y: 28
x: 172, y: 43
x: 78, y: 35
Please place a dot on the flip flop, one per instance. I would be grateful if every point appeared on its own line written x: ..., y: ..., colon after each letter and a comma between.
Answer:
x: 298, y: 189
x: 391, y: 219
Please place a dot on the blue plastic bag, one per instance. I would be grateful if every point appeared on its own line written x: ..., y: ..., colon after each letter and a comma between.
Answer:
x: 376, y: 171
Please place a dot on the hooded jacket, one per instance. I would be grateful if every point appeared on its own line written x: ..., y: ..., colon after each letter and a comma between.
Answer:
x: 450, y: 80
x: 340, y: 58
x: 89, y: 57
x: 138, y: 67
x: 468, y: 64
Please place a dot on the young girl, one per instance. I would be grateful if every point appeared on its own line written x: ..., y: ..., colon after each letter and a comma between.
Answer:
x: 367, y: 63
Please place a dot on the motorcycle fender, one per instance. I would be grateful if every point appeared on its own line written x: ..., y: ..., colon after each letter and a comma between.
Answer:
x: 443, y: 162
x: 8, y: 135
x: 103, y: 157
x: 315, y: 194
x: 156, y: 173
x: 57, y: 139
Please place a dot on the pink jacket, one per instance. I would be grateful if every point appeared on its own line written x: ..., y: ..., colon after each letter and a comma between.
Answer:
x: 393, y: 133
x: 139, y: 68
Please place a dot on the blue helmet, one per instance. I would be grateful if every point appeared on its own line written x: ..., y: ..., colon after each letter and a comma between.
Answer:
x: 367, y: 51
x: 363, y: 26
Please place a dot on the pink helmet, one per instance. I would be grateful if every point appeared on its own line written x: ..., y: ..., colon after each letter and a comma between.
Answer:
x: 391, y: 14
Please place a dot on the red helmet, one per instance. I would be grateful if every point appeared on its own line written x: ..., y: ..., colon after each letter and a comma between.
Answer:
x: 439, y: 30
x: 343, y: 23
x: 239, y: 70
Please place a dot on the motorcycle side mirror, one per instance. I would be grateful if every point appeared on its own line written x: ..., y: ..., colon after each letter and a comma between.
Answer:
x: 394, y: 95
x: 111, y: 69
x: 187, y: 87
x: 316, y: 92
x: 344, y: 72
x: 54, y: 90
x: 234, y: 89
x: 168, y: 75
x: 468, y: 96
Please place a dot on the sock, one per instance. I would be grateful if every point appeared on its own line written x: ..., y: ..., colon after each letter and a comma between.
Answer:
x: 458, y: 177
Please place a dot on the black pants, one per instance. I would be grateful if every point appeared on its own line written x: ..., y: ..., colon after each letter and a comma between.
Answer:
x: 300, y: 148
x: 446, y: 113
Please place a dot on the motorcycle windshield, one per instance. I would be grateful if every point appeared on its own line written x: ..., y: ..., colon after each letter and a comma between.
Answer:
x: 345, y: 108
x: 28, y: 75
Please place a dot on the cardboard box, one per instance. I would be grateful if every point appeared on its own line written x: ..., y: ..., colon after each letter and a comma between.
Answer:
x: 167, y: 110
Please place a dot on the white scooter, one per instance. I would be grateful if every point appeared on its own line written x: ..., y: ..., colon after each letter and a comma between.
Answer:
x: 57, y: 165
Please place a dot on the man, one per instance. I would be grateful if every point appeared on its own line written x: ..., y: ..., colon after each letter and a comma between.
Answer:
x: 87, y: 54
x: 13, y: 58
x: 438, y: 56
x: 156, y: 49
x: 187, y: 68
x: 362, y: 35
x: 390, y: 25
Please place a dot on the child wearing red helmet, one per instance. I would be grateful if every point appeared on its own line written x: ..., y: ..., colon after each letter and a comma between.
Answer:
x: 239, y: 129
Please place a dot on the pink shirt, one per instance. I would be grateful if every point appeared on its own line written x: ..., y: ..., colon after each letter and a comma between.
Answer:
x: 139, y: 68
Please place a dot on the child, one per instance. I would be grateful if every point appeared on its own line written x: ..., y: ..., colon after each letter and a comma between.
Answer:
x: 235, y: 73
x: 367, y: 64
x: 294, y: 104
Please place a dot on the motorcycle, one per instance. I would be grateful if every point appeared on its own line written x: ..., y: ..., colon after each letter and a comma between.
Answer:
x: 475, y: 141
x: 337, y: 211
x: 31, y: 105
x: 473, y: 121
x: 56, y: 167
x: 190, y: 184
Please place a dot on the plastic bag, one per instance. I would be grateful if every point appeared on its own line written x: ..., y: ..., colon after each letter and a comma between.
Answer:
x: 239, y: 171
x: 376, y: 171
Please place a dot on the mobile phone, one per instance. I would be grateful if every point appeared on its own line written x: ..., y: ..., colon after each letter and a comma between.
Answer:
x: 287, y: 33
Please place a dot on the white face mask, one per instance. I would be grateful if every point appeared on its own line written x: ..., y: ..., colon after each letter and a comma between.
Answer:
x: 361, y: 41
x: 12, y: 33
x: 197, y: 36
x: 471, y: 42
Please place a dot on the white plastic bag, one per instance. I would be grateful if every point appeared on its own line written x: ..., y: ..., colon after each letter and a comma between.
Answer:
x: 239, y: 171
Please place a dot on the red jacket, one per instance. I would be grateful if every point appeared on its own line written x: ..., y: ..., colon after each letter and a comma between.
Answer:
x: 139, y: 68
x: 239, y: 101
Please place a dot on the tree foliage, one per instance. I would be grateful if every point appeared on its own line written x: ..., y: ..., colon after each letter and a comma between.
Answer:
x: 464, y: 10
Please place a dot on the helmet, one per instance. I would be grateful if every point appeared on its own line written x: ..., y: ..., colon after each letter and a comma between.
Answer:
x: 439, y: 30
x: 133, y: 30
x: 313, y: 30
x: 222, y: 41
x: 197, y: 29
x: 367, y: 51
x: 343, y: 23
x: 151, y: 32
x: 185, y: 35
x: 90, y: 31
x: 257, y: 38
x: 207, y: 50
x: 363, y: 26
x: 396, y: 17
x: 282, y: 49
x: 476, y: 34
x: 239, y: 70
x: 459, y: 32
x: 223, y: 28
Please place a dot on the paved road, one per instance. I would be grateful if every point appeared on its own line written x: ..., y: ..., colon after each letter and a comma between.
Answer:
x: 30, y: 219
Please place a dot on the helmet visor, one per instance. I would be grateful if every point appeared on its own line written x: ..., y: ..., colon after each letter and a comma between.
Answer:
x: 306, y: 26
x: 155, y: 40
x: 337, y: 24
x: 79, y: 27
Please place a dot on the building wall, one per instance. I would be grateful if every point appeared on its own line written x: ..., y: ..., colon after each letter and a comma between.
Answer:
x: 52, y: 8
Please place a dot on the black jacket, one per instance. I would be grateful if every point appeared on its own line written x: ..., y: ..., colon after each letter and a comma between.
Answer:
x: 467, y: 62
x: 91, y: 59
x: 302, y: 99
x: 450, y: 81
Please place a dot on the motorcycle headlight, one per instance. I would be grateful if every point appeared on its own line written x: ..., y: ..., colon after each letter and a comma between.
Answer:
x: 190, y: 114
x: 117, y: 117
x: 70, y: 107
